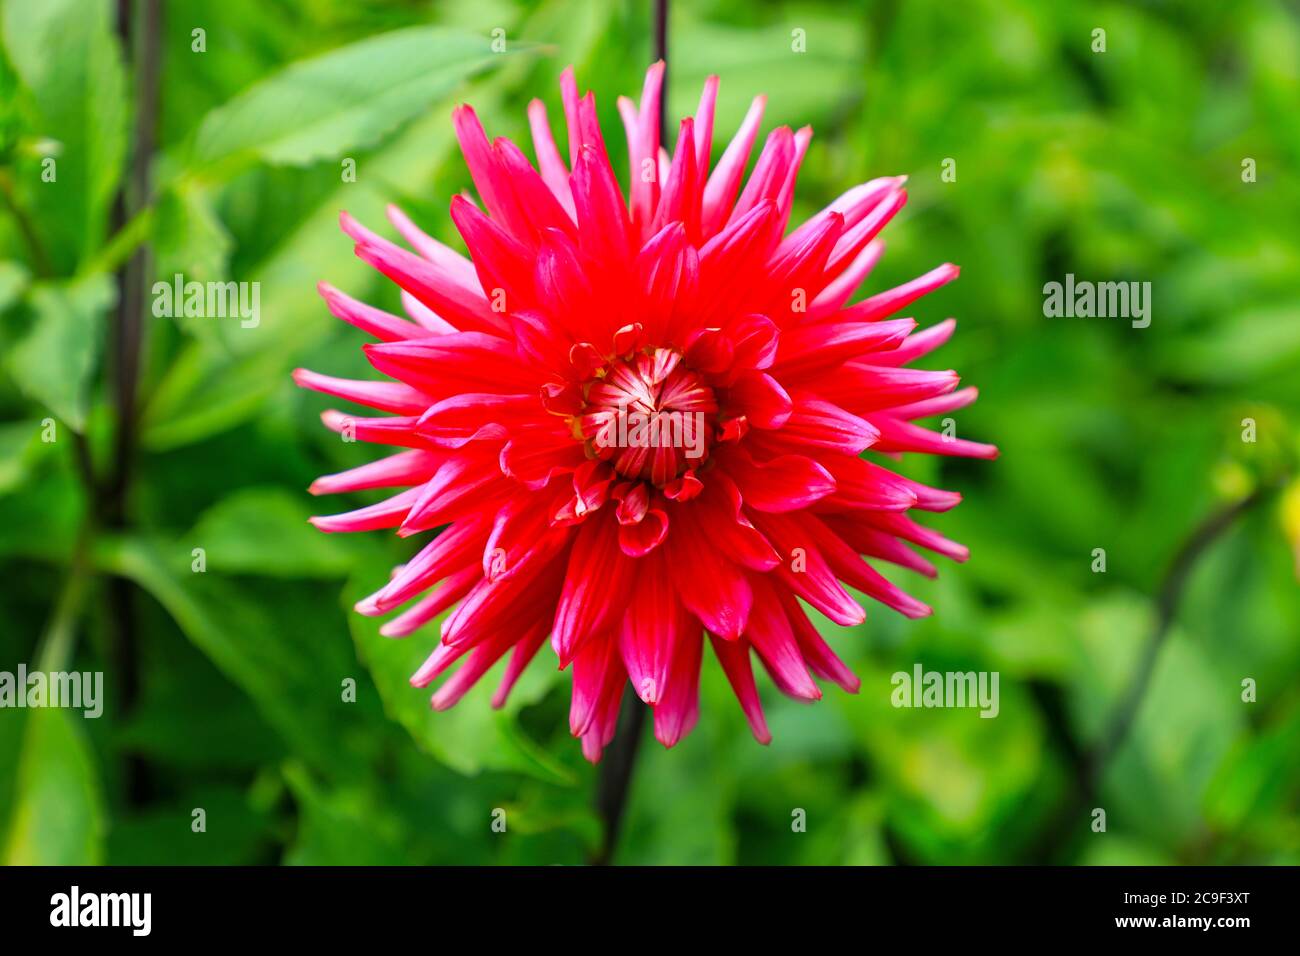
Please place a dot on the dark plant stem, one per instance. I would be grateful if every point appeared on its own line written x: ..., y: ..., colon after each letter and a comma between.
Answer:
x: 661, y: 53
x: 128, y: 330
x: 616, y: 773
x: 144, y: 38
x: 620, y: 758
x: 1167, y: 601
x: 1092, y: 762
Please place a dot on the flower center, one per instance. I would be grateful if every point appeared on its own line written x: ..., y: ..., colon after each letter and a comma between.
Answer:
x: 649, y: 416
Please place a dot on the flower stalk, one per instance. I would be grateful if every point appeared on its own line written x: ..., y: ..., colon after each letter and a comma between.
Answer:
x: 615, y: 780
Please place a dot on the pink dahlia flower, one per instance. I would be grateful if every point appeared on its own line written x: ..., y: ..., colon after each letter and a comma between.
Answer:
x: 638, y: 418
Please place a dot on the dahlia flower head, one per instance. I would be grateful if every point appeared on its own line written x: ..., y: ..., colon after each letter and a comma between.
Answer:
x: 520, y: 385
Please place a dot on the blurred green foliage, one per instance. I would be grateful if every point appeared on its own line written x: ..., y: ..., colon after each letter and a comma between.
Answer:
x: 1122, y: 165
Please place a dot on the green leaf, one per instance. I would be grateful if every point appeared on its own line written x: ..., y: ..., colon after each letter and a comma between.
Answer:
x: 281, y: 654
x: 66, y: 54
x: 40, y: 519
x: 470, y: 737
x: 13, y: 279
x: 18, y: 445
x: 58, y: 816
x: 54, y: 363
x: 344, y: 100
x: 265, y: 531
x: 233, y: 390
x: 804, y: 88
x: 697, y: 826
x: 1183, y: 729
x: 953, y: 778
x: 1246, y: 347
x: 236, y: 376
x: 171, y: 724
x: 236, y: 831
x: 1253, y: 792
x: 342, y: 826
x: 1119, y: 850
x: 189, y: 238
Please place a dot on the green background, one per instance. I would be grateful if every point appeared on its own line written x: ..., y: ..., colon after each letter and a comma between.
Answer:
x: 1122, y: 165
